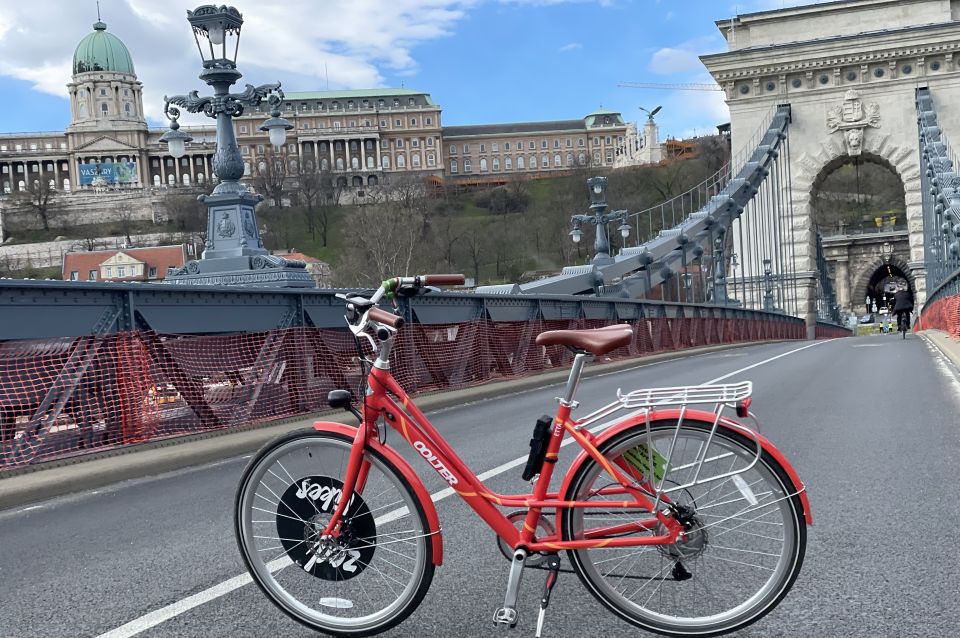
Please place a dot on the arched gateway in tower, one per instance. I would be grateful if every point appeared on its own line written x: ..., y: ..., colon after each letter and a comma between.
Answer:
x: 849, y: 70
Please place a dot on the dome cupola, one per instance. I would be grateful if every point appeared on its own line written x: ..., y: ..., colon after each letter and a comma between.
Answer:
x: 102, y: 51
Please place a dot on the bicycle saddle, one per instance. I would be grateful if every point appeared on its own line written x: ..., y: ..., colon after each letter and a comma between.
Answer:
x: 597, y: 341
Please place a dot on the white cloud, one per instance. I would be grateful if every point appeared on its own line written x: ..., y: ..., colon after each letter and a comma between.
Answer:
x: 347, y: 41
x: 573, y: 46
x: 667, y: 61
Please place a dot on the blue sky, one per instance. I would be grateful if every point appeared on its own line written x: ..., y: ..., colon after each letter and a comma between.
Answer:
x: 483, y: 61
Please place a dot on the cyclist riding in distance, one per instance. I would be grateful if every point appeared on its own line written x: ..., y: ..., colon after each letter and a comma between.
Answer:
x: 902, y: 305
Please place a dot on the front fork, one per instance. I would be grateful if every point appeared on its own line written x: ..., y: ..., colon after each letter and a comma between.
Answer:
x: 358, y: 470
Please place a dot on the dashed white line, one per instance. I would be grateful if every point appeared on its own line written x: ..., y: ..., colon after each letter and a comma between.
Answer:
x: 173, y: 610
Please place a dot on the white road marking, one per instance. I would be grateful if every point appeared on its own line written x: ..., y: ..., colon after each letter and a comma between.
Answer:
x: 173, y: 610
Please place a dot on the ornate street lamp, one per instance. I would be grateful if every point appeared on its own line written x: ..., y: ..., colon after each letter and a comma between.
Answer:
x: 233, y: 252
x: 599, y: 217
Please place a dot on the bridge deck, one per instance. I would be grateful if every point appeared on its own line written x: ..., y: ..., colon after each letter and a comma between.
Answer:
x: 82, y: 566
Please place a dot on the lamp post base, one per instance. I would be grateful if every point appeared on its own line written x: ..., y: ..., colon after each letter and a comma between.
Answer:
x: 263, y: 271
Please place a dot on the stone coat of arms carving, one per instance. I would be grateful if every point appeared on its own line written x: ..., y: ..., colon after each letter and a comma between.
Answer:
x: 851, y: 119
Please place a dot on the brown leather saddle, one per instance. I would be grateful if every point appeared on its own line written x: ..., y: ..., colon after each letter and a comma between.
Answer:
x: 598, y: 341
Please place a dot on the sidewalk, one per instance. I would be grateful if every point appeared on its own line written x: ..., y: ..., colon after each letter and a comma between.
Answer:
x: 56, y: 478
x: 949, y: 346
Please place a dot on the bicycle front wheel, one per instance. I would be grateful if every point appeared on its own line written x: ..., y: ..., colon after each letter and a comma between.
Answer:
x: 745, y: 533
x: 366, y: 581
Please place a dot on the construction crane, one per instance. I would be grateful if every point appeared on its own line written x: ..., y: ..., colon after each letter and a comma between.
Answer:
x: 669, y: 87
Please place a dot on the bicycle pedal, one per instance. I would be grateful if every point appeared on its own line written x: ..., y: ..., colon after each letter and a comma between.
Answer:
x: 506, y: 616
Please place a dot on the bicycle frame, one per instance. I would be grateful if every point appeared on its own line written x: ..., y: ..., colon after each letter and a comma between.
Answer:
x: 385, y: 398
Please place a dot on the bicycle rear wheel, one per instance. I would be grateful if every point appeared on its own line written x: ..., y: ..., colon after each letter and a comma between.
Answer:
x: 367, y: 581
x: 745, y: 539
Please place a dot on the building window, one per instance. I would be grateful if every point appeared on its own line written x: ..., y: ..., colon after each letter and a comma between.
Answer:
x: 453, y: 149
x: 396, y: 101
x: 381, y: 103
x: 397, y: 123
x: 596, y: 157
x: 532, y: 146
x: 259, y: 149
x: 413, y: 121
x: 507, y: 163
x: 429, y: 141
x: 607, y: 140
x: 383, y: 124
x: 596, y: 141
x: 386, y: 161
x: 545, y: 161
x: 415, y: 160
x: 483, y: 165
x: 543, y: 144
x: 75, y: 275
x: 569, y: 158
x: 400, y: 143
x: 109, y: 271
x: 467, y: 167
x: 557, y: 161
x: 483, y: 148
x: 431, y: 160
x: 384, y: 143
x: 556, y: 143
x: 92, y: 275
x: 335, y: 106
x: 466, y: 148
x: 104, y: 108
x: 429, y: 121
x: 401, y: 161
x: 350, y: 104
x: 121, y: 271
x: 609, y: 156
x: 453, y: 166
x: 582, y: 159
x: 126, y: 108
x: 416, y: 143
x: 243, y: 128
x: 533, y: 161
x: 411, y: 101
x: 495, y: 147
x: 580, y: 142
x: 103, y: 92
x: 496, y: 164
x: 152, y: 273
x: 520, y: 164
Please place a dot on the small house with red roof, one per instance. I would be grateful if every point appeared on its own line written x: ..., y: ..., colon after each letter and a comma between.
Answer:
x: 125, y: 264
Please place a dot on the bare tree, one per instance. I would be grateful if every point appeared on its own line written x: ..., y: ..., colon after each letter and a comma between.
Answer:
x: 319, y: 194
x: 271, y: 175
x: 37, y: 200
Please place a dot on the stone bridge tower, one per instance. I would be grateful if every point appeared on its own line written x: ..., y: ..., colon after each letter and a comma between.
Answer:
x: 849, y: 70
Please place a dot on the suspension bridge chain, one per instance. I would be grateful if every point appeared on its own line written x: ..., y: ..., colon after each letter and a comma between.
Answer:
x: 941, y: 203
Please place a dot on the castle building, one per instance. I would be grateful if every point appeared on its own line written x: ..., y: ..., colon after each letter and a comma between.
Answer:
x: 362, y: 137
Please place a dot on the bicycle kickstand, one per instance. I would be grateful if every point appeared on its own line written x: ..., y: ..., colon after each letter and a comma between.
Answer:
x: 553, y: 571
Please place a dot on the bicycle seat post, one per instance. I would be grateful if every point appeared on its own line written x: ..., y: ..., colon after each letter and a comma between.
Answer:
x: 574, y: 379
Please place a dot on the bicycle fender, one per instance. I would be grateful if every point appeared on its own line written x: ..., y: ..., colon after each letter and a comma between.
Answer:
x: 404, y: 468
x: 692, y: 415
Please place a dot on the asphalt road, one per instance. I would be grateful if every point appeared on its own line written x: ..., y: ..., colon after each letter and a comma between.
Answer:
x: 870, y: 424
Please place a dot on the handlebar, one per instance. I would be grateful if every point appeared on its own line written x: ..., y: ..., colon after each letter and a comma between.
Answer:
x: 443, y: 280
x: 384, y: 317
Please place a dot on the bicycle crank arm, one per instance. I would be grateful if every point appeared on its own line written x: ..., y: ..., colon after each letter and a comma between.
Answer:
x: 507, y: 615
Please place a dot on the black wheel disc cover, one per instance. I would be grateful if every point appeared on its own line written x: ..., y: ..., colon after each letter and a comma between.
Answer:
x: 303, y: 512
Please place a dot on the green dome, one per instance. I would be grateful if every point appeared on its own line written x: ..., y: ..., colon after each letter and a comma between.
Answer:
x: 102, y: 51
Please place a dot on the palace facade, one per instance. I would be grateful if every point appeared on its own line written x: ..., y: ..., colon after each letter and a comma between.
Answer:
x: 363, y: 137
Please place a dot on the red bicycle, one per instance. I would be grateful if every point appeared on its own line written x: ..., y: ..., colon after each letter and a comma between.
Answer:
x: 676, y: 517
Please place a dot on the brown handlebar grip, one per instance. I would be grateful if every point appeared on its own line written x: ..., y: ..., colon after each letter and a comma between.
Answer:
x: 443, y: 280
x: 382, y: 316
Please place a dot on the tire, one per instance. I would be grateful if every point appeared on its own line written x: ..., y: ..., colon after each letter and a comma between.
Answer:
x: 369, y: 583
x: 729, y: 583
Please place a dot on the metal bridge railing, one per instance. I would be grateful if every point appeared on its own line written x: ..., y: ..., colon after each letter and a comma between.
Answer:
x: 90, y: 366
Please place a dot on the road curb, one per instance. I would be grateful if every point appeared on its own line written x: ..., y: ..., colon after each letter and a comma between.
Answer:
x: 82, y: 473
